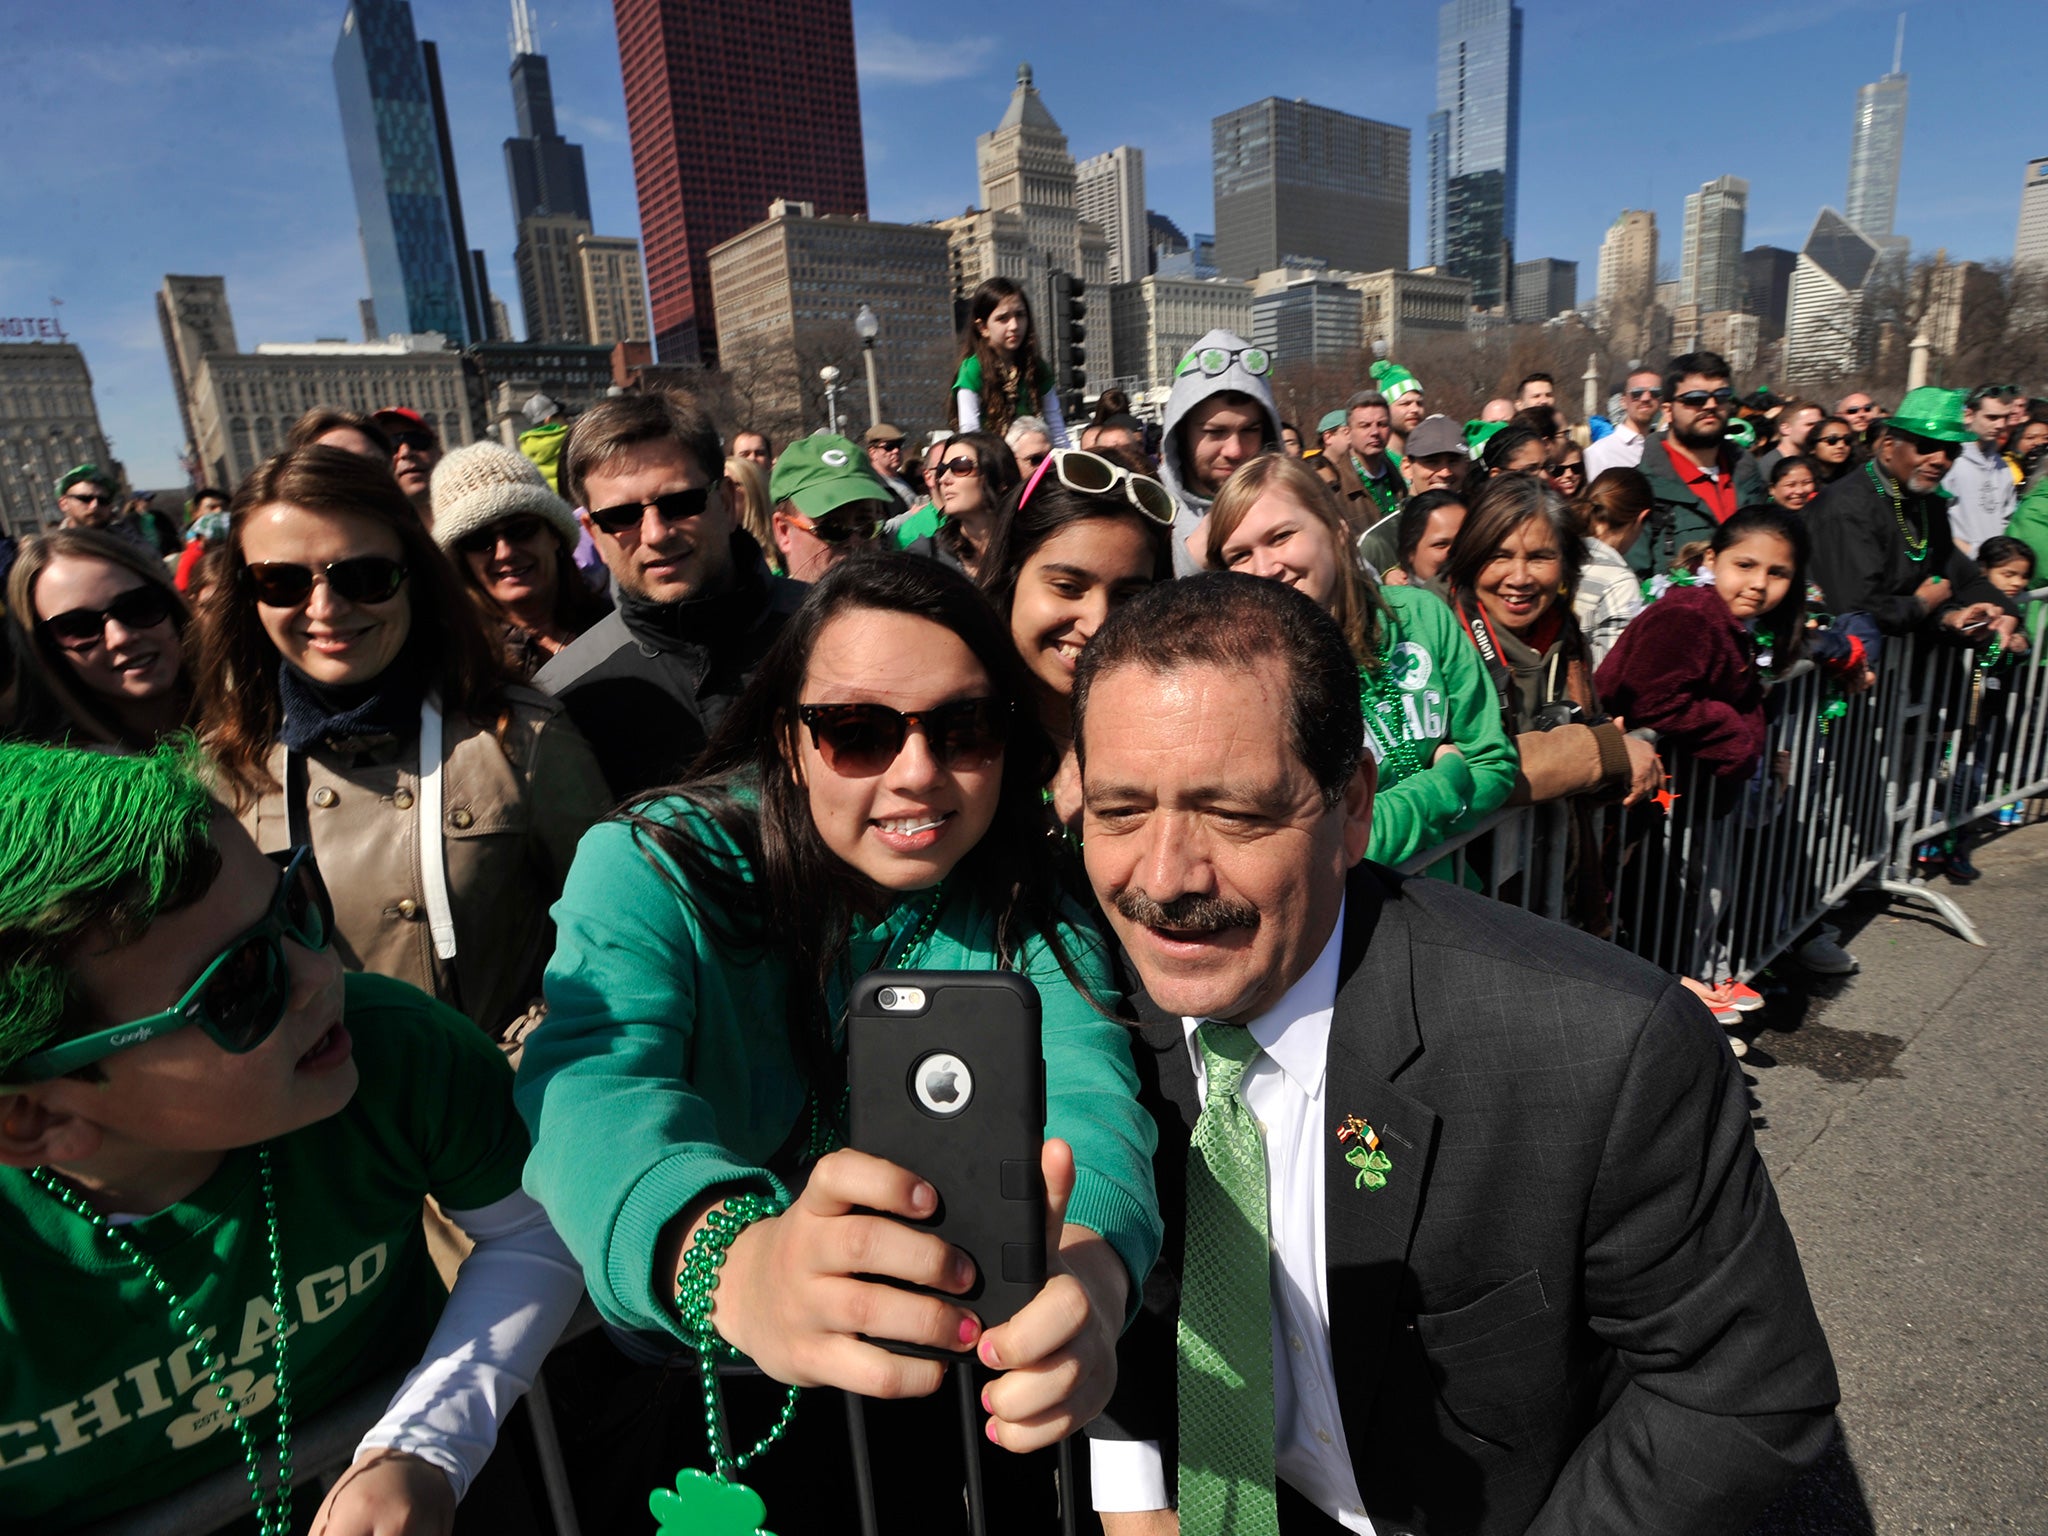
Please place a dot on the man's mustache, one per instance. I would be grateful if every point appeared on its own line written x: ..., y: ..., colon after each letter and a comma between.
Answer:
x: 1192, y: 913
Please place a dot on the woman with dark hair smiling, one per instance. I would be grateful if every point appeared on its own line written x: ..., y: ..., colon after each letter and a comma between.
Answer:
x: 1511, y: 575
x: 872, y: 801
x: 353, y: 704
x: 105, y: 637
x: 1087, y: 534
x: 513, y: 543
x: 1832, y: 447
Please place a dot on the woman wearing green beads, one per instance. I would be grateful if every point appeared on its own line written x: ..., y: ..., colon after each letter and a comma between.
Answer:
x: 872, y: 801
x: 1431, y: 719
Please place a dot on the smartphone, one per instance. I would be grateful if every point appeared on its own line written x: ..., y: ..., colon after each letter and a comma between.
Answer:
x: 946, y: 1077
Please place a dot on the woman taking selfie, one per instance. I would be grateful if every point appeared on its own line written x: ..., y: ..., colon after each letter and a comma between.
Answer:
x: 105, y: 638
x: 513, y: 544
x: 1087, y: 535
x: 872, y: 801
x: 1431, y: 719
x: 353, y: 703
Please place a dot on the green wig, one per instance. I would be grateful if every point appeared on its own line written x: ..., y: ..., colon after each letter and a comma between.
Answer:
x: 89, y: 841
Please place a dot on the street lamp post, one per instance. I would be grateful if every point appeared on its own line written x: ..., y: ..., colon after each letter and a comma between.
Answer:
x: 868, y: 325
x: 830, y: 375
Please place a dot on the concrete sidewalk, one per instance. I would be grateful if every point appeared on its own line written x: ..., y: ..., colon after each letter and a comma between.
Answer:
x: 1904, y: 1116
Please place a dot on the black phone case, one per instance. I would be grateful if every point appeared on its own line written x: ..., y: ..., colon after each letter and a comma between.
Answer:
x: 983, y: 1158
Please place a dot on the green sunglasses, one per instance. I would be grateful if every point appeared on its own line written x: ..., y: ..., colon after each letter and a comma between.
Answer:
x: 240, y: 996
x: 1216, y: 361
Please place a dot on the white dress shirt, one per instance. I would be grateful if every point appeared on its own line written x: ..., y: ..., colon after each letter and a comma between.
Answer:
x: 1622, y: 448
x: 1283, y: 1088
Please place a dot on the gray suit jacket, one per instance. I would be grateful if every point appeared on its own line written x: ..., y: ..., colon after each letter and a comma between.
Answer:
x: 1575, y: 1307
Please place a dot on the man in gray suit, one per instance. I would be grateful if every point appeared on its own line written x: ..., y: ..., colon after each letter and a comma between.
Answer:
x: 1514, y: 1264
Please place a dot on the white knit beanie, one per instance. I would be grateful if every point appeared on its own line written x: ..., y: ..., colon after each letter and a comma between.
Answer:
x: 485, y: 483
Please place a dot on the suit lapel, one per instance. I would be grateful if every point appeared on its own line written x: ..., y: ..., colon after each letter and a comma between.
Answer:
x: 1374, y: 1036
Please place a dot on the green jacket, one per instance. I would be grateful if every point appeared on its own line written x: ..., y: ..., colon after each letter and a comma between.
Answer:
x: 2030, y: 526
x: 664, y: 1070
x: 543, y: 445
x: 1445, y: 695
x: 1679, y: 516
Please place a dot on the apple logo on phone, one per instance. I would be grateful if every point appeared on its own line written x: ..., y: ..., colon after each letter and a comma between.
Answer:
x: 943, y: 1084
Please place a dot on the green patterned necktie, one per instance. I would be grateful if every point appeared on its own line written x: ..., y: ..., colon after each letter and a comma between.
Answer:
x: 1225, y: 1364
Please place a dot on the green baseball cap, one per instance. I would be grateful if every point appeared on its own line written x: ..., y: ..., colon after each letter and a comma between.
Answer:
x: 1932, y: 413
x: 1477, y: 433
x: 83, y: 474
x: 1331, y: 421
x: 819, y: 473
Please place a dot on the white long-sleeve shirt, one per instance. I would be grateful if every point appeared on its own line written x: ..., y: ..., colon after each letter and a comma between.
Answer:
x: 1283, y: 1087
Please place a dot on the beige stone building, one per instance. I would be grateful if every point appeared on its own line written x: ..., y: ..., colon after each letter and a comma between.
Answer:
x: 1156, y: 320
x: 239, y: 405
x: 613, y: 288
x: 551, y: 276
x: 48, y: 423
x: 1627, y: 300
x: 1399, y: 307
x: 786, y: 292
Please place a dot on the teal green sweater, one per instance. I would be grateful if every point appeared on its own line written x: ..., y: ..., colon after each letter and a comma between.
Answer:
x: 1445, y: 696
x: 663, y: 1071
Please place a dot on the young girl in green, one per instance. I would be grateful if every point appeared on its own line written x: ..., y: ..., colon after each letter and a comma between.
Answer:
x: 1003, y: 376
x: 1431, y: 718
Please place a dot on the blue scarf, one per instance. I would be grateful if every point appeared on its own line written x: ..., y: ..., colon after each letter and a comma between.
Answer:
x: 316, y: 714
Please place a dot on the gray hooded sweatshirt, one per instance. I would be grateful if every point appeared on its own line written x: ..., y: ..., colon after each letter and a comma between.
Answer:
x: 1189, y: 390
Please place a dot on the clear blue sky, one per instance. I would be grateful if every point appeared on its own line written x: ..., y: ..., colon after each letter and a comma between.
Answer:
x: 202, y: 136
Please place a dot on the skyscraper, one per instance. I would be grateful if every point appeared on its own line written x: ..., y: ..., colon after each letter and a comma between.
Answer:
x: 1544, y: 288
x: 2030, y: 246
x: 728, y: 108
x: 1297, y: 180
x: 1878, y: 144
x: 1628, y: 282
x: 1109, y: 191
x: 1767, y: 286
x: 545, y: 169
x: 1475, y: 143
x: 1827, y: 329
x: 397, y: 159
x: 1710, y: 260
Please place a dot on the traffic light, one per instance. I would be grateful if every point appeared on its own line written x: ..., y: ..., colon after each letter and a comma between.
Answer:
x: 1069, y: 335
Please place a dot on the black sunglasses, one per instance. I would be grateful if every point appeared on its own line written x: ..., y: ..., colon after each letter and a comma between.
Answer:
x: 843, y: 523
x: 1653, y: 393
x: 1695, y: 398
x: 963, y: 466
x: 513, y: 530
x: 858, y: 741
x: 1833, y: 440
x: 416, y: 440
x: 80, y: 629
x: 675, y: 507
x: 364, y: 579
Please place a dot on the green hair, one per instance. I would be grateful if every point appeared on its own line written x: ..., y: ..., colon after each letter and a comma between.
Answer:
x: 89, y: 841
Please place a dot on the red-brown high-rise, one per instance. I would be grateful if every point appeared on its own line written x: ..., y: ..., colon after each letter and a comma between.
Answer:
x: 729, y: 107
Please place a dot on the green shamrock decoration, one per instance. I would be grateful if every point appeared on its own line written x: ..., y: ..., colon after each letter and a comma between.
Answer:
x: 1372, y: 1167
x: 701, y: 1505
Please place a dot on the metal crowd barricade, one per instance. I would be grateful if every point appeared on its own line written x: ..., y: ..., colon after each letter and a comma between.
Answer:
x: 1724, y: 877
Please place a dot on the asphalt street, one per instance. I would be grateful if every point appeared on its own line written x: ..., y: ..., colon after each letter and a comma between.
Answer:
x: 1904, y: 1115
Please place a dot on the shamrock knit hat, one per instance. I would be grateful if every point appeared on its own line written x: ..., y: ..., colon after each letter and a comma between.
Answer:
x: 485, y: 483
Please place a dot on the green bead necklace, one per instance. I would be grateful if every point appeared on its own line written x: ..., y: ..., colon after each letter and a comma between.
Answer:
x: 273, y: 1509
x: 1916, y: 543
x: 696, y: 1496
x: 1379, y: 695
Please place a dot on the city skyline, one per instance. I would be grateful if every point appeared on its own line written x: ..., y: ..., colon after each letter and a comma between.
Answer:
x: 272, y: 208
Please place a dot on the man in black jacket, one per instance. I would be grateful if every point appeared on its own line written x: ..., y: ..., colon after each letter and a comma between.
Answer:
x: 1881, y: 544
x: 1479, y: 1242
x: 697, y: 607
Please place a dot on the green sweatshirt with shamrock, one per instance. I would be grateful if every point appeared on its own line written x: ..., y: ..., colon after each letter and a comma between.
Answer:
x: 1436, y: 690
x: 664, y: 1070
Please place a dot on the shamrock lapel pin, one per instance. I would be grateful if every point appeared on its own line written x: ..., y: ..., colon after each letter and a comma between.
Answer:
x: 1366, y: 1155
